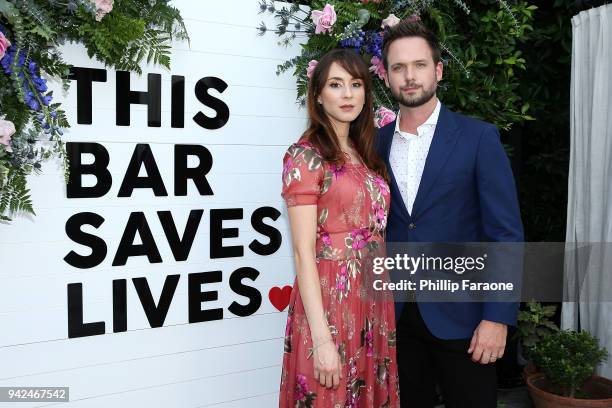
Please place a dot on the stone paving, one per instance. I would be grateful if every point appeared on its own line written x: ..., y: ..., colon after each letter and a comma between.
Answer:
x: 512, y: 398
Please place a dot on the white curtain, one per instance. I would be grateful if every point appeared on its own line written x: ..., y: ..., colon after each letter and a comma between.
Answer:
x: 589, y: 215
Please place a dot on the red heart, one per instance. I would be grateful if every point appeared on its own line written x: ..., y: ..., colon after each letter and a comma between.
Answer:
x: 280, y: 297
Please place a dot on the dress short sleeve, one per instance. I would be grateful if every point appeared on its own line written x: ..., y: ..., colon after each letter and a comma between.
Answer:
x: 302, y: 175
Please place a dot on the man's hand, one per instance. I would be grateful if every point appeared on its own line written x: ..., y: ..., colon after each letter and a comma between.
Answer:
x: 488, y: 342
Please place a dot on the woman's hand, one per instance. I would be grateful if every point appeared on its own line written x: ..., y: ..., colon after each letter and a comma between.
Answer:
x: 327, y: 365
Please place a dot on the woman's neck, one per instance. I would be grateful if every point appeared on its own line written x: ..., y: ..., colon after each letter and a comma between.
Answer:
x: 342, y: 133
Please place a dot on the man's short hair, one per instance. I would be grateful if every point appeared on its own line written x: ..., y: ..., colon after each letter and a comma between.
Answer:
x: 409, y: 28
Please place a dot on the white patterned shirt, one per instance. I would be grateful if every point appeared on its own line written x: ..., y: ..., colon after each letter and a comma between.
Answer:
x: 408, y: 155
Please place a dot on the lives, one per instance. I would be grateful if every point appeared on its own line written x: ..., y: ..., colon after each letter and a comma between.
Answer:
x: 156, y: 311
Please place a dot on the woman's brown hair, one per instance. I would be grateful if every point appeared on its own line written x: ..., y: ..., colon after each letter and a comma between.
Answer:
x: 362, y: 132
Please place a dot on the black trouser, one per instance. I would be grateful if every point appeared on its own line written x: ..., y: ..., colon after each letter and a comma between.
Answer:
x: 424, y: 360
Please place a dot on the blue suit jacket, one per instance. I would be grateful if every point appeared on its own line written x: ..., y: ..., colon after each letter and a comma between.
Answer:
x: 467, y: 194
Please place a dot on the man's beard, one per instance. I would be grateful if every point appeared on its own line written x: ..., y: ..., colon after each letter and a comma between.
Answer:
x: 413, y: 102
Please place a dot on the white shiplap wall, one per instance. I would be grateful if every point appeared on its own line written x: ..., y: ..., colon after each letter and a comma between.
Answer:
x: 234, y: 362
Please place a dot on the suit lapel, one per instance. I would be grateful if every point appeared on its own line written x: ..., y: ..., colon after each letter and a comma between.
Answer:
x: 387, y: 140
x: 442, y: 144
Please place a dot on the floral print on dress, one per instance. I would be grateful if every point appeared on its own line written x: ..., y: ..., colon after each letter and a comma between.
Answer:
x: 382, y: 370
x: 304, y: 398
x: 358, y: 239
x: 367, y: 337
x: 380, y: 216
x: 338, y: 170
x: 342, y: 282
x: 289, y: 330
x: 352, y: 207
x: 354, y: 385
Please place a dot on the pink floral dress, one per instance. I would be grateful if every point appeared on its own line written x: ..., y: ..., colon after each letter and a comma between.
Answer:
x: 352, y: 205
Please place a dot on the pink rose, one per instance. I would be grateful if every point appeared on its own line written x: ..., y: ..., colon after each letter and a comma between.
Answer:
x: 377, y: 67
x: 311, y: 67
x: 7, y: 129
x: 324, y: 20
x: 4, y: 44
x: 383, y: 117
x: 103, y: 7
x: 390, y: 21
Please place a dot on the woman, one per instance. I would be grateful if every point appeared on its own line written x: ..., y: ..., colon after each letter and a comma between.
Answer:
x: 340, y: 334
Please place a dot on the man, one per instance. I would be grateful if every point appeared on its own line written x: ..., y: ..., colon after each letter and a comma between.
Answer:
x: 450, y: 182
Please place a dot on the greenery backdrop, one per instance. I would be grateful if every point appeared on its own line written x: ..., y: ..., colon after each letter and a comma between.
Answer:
x: 122, y: 34
x: 506, y: 62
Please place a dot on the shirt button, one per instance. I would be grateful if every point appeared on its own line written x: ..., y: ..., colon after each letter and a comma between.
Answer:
x: 411, y: 226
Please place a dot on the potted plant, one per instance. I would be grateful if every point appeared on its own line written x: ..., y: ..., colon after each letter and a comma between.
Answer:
x: 567, y: 360
x: 534, y: 324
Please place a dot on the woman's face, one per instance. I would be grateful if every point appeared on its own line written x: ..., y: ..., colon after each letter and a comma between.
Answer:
x: 342, y: 96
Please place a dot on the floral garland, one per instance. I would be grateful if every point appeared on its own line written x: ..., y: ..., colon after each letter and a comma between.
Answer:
x: 361, y: 26
x: 120, y: 33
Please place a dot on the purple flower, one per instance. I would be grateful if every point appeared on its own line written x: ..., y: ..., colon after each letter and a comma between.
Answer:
x: 46, y: 99
x: 7, y: 60
x: 356, y: 41
x: 374, y: 40
x: 40, y: 84
x: 33, y: 104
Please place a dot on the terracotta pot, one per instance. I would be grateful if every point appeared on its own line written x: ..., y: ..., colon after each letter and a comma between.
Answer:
x: 529, y: 370
x: 598, y: 386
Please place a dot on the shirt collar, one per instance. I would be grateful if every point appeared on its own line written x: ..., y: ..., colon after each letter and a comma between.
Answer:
x: 431, y: 121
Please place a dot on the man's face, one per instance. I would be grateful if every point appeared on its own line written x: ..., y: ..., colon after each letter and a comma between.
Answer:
x: 412, y: 75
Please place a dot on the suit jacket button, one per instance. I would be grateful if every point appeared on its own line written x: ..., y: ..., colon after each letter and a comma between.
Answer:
x: 411, y: 226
